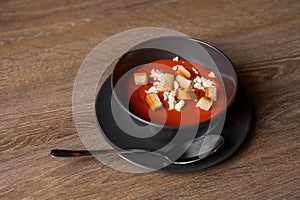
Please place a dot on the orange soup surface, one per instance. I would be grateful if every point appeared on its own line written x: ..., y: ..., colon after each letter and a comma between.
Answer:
x: 189, y: 114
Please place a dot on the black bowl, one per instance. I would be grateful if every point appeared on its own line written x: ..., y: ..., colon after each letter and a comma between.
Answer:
x: 167, y: 48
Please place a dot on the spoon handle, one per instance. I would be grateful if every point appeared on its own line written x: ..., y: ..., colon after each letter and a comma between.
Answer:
x: 62, y: 153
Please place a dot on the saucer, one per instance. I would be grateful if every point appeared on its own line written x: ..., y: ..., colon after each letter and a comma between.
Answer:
x: 236, y: 127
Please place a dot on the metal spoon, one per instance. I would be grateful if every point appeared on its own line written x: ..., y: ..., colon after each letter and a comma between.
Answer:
x: 202, y: 153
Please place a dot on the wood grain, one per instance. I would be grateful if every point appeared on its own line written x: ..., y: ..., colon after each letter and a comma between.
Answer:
x: 43, y: 43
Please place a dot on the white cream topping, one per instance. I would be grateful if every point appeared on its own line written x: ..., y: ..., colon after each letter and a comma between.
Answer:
x: 171, y: 100
x: 176, y: 85
x: 166, y: 94
x: 179, y: 105
x: 156, y: 74
x: 202, y: 83
x: 195, y: 70
x: 152, y: 89
x: 212, y: 74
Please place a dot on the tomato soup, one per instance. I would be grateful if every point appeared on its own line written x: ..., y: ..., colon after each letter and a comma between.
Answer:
x: 137, y: 96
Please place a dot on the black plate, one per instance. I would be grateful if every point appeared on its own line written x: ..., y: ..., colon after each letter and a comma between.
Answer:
x: 235, y: 130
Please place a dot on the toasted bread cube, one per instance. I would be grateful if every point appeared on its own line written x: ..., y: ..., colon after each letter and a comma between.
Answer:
x: 204, y: 103
x: 184, y: 83
x: 140, y: 78
x: 166, y: 83
x: 186, y: 95
x: 183, y: 71
x: 153, y: 101
x: 211, y: 92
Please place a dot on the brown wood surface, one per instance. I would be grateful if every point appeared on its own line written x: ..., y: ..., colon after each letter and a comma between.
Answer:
x: 42, y: 45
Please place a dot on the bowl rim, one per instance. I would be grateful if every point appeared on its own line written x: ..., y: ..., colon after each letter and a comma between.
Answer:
x: 187, y: 126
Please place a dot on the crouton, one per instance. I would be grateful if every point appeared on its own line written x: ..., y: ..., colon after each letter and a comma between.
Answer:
x: 186, y: 95
x: 211, y: 92
x: 166, y: 83
x: 140, y: 78
x: 153, y: 101
x: 184, y: 83
x: 183, y: 71
x: 204, y: 103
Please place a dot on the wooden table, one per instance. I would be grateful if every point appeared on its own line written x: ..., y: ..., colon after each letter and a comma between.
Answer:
x: 42, y: 45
